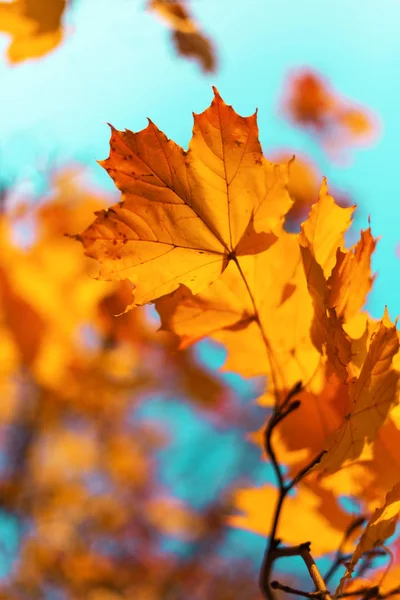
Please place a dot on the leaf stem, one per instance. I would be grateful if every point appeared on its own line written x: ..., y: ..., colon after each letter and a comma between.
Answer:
x: 340, y: 556
x: 258, y: 321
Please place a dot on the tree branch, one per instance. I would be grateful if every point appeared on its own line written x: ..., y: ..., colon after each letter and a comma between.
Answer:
x: 273, y: 551
x: 315, y: 575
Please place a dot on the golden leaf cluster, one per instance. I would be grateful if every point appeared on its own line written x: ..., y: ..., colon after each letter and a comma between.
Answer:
x: 201, y: 233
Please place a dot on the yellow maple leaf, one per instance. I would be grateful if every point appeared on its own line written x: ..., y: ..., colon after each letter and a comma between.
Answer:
x: 351, y: 278
x: 255, y: 313
x: 186, y: 215
x: 371, y: 395
x: 323, y: 231
x: 381, y: 526
x: 257, y: 506
x: 321, y: 234
x: 35, y: 27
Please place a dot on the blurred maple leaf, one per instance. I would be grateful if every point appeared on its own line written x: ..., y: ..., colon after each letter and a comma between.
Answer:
x: 80, y: 471
x: 188, y: 39
x: 310, y: 102
x: 304, y: 185
x: 35, y: 27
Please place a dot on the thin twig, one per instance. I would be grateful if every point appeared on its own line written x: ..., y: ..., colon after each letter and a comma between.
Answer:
x: 339, y: 556
x: 303, y: 472
x: 289, y: 590
x: 315, y: 575
x: 273, y: 551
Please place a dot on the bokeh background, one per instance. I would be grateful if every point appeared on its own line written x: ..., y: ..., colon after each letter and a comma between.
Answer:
x: 172, y: 487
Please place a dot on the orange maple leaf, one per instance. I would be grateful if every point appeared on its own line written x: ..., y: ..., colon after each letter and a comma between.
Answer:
x: 186, y: 215
x: 310, y: 102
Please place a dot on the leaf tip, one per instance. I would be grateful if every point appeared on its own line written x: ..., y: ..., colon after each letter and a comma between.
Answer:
x: 324, y: 185
x: 74, y: 236
x: 216, y: 92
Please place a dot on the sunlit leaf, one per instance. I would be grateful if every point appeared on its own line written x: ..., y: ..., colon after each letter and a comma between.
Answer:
x: 380, y: 527
x: 186, y: 215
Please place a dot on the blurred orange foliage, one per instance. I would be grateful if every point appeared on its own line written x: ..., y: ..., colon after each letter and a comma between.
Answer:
x: 187, y: 37
x: 35, y: 27
x: 81, y: 467
x: 310, y: 102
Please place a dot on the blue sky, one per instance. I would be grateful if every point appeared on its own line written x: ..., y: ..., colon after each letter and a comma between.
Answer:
x: 118, y: 66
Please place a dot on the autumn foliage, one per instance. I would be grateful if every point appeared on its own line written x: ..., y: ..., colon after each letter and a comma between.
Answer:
x: 201, y: 234
x: 310, y: 102
x: 35, y: 28
x: 82, y: 463
x: 103, y: 322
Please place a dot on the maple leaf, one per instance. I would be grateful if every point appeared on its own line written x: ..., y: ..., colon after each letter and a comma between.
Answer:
x: 376, y: 470
x: 319, y: 239
x: 186, y: 35
x: 255, y: 312
x: 384, y: 466
x: 186, y: 215
x: 351, y: 280
x: 35, y: 26
x: 322, y: 405
x: 371, y: 395
x: 381, y: 526
x: 257, y: 507
x: 304, y: 186
x: 325, y: 398
x: 310, y: 102
x: 323, y: 231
